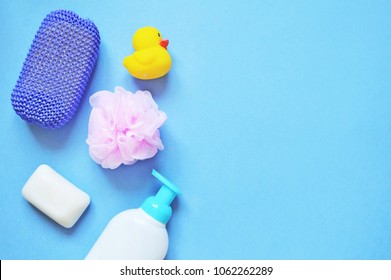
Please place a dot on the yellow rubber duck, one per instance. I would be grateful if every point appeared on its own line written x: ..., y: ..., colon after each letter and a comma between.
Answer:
x: 151, y: 59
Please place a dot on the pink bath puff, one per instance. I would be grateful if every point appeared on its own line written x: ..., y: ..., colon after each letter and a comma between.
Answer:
x: 124, y: 127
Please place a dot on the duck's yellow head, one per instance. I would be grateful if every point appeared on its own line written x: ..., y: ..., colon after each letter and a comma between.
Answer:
x: 147, y: 37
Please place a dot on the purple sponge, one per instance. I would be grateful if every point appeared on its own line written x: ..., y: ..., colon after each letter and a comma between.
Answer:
x: 57, y: 69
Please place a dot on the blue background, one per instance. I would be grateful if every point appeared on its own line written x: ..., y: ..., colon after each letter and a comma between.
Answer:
x: 278, y: 130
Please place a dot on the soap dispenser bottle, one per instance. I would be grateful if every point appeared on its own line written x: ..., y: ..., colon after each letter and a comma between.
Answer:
x: 138, y: 234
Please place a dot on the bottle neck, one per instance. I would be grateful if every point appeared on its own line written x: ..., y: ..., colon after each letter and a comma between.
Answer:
x: 157, y: 209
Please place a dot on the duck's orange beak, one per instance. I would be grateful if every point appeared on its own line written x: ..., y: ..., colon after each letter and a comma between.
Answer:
x: 164, y: 43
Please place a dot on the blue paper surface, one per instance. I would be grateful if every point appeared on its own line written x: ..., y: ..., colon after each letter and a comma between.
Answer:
x: 278, y: 130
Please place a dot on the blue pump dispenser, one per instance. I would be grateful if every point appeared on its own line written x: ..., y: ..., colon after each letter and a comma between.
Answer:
x: 158, y: 206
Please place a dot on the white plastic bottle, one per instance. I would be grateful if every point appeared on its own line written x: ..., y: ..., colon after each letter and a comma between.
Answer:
x: 138, y: 234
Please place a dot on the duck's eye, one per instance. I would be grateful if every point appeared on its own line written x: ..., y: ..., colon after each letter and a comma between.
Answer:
x: 158, y: 34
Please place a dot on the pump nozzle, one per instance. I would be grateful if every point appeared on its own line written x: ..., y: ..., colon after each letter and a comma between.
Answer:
x: 158, y: 206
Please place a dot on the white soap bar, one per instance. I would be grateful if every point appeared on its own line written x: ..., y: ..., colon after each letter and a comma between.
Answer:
x: 55, y: 196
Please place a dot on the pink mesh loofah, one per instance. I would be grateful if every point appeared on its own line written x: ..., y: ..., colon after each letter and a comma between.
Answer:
x: 124, y: 127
